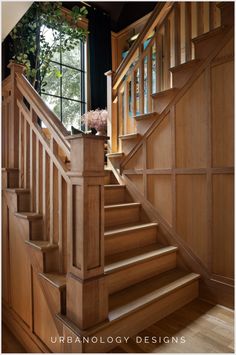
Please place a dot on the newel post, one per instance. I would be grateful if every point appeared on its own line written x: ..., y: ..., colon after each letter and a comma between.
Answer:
x: 112, y: 124
x: 13, y: 117
x: 86, y: 294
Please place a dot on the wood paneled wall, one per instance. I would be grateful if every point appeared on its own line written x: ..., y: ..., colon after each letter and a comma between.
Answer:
x: 184, y: 168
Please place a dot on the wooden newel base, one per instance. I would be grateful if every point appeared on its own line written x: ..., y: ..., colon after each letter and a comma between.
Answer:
x: 87, y: 301
x: 86, y: 292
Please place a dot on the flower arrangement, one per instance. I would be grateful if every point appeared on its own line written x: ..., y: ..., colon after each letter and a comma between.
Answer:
x: 96, y: 119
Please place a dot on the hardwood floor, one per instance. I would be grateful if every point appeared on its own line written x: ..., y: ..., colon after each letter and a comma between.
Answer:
x: 198, y: 327
x: 206, y: 329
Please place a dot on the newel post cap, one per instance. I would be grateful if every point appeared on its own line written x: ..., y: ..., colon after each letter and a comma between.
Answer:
x: 19, y: 68
x: 87, y: 154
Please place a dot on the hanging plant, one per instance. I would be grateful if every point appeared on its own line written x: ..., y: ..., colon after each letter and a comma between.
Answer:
x: 31, y: 46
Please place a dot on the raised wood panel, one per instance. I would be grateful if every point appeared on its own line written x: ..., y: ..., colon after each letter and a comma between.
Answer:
x: 137, y: 160
x: 159, y: 146
x: 191, y: 213
x: 223, y: 114
x: 160, y: 195
x: 5, y: 253
x: 20, y: 273
x: 191, y: 127
x: 223, y: 225
x: 44, y: 325
x: 137, y: 180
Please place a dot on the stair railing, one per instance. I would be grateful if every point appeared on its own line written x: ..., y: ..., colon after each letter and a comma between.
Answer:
x: 65, y: 176
x: 165, y: 42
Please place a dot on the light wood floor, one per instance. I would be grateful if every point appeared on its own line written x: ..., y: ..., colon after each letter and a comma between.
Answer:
x: 205, y: 328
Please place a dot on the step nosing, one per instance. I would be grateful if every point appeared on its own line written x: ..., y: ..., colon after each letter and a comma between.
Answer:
x: 139, y: 259
x: 130, y: 229
x: 134, y: 204
x: 156, y: 295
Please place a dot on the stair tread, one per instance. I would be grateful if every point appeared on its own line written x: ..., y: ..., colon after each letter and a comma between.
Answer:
x: 114, y: 186
x: 120, y: 205
x: 145, y: 116
x: 18, y: 190
x: 186, y: 65
x: 148, y: 291
x: 127, y: 228
x: 164, y: 92
x: 28, y: 215
x: 115, y: 155
x: 56, y: 279
x: 124, y: 259
x: 210, y: 34
x: 41, y: 244
x: 130, y: 136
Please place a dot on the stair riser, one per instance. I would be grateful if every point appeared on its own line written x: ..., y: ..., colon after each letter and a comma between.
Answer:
x: 122, y: 215
x: 205, y: 47
x: 44, y: 262
x: 143, y: 125
x: 114, y: 196
x: 32, y: 230
x: 143, y: 318
x: 128, y: 145
x: 109, y: 178
x: 133, y: 274
x: 161, y: 102
x: 10, y: 179
x: 181, y: 77
x: 56, y: 297
x: 18, y: 202
x: 127, y: 241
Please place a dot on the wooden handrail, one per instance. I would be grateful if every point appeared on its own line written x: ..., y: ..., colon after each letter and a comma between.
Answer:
x: 44, y: 113
x: 157, y: 17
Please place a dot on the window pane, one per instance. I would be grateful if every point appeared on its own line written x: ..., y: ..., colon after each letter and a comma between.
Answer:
x: 71, y: 83
x: 72, y: 57
x: 53, y: 103
x: 52, y: 37
x: 52, y: 80
x: 71, y: 113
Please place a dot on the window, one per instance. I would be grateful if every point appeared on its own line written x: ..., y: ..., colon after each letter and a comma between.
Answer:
x: 65, y: 94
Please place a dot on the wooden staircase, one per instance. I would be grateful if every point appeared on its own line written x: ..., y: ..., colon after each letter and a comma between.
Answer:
x: 92, y: 262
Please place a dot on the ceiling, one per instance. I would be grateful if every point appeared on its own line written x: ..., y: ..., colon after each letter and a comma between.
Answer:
x: 12, y: 11
x: 122, y: 13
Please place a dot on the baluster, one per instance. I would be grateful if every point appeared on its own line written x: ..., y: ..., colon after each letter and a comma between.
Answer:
x: 62, y: 217
x: 159, y: 62
x: 133, y: 93
x: 121, y: 113
x: 188, y: 31
x: 200, y: 18
x: 126, y: 107
x: 39, y: 157
x: 141, y: 87
x: 46, y: 195
x: 211, y: 15
x: 32, y: 148
x: 149, y: 79
x: 176, y: 33
x: 166, y: 43
x: 26, y: 155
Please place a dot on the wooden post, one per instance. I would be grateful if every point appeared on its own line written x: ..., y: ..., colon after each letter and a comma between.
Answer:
x: 112, y: 126
x: 86, y: 294
x: 13, y: 124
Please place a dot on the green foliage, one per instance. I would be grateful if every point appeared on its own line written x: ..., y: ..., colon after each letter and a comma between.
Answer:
x: 31, y: 44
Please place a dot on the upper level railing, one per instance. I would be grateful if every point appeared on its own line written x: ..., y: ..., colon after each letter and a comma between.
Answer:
x: 165, y: 42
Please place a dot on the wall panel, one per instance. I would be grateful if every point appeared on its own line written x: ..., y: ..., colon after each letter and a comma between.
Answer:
x: 160, y: 195
x: 191, y: 127
x: 191, y: 213
x: 222, y: 113
x: 159, y: 146
x: 223, y: 226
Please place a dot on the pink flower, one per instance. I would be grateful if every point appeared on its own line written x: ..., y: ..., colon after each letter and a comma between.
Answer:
x: 96, y: 119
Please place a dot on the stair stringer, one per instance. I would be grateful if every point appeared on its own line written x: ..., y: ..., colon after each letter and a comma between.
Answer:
x: 186, y: 257
x: 24, y: 234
